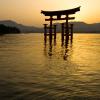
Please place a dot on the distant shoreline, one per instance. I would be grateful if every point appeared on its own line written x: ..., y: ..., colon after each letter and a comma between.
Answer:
x: 79, y: 27
x: 41, y: 33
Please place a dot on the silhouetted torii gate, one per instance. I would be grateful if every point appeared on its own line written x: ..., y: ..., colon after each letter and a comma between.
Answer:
x: 58, y: 15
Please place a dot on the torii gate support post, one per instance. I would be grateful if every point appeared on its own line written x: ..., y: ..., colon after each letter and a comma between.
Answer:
x: 45, y: 32
x: 67, y: 28
x: 50, y: 34
x: 62, y: 35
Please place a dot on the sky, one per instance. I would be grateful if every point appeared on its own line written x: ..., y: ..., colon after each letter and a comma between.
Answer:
x: 28, y: 12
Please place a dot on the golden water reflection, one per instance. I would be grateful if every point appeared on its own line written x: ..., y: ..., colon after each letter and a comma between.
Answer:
x: 61, y: 49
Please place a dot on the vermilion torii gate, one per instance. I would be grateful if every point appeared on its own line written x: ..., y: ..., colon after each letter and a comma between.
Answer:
x: 65, y: 28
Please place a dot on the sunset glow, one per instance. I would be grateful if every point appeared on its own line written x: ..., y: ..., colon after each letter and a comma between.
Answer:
x: 28, y: 11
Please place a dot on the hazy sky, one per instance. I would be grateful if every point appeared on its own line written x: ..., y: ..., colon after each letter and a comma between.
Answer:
x: 28, y: 11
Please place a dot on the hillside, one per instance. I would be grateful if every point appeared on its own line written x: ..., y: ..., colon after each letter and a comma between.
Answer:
x: 22, y: 28
x: 6, y: 29
x: 79, y: 27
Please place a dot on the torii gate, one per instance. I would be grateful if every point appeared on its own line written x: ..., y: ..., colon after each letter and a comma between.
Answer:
x: 58, y: 15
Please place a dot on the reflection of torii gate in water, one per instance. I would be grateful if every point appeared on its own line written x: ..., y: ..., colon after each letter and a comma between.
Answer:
x: 65, y: 28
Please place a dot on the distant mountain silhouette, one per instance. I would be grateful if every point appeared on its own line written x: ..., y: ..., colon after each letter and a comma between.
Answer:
x: 79, y: 27
x: 22, y: 28
x: 87, y: 28
x: 8, y: 29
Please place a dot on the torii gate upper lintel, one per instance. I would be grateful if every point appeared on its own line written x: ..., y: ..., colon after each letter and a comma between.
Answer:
x: 60, y: 12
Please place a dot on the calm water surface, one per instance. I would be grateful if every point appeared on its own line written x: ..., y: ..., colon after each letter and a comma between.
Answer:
x: 30, y: 70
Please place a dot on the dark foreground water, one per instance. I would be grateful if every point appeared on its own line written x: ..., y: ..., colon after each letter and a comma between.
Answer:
x: 30, y: 70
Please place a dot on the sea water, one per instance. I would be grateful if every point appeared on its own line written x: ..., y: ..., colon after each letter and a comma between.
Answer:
x: 33, y: 70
